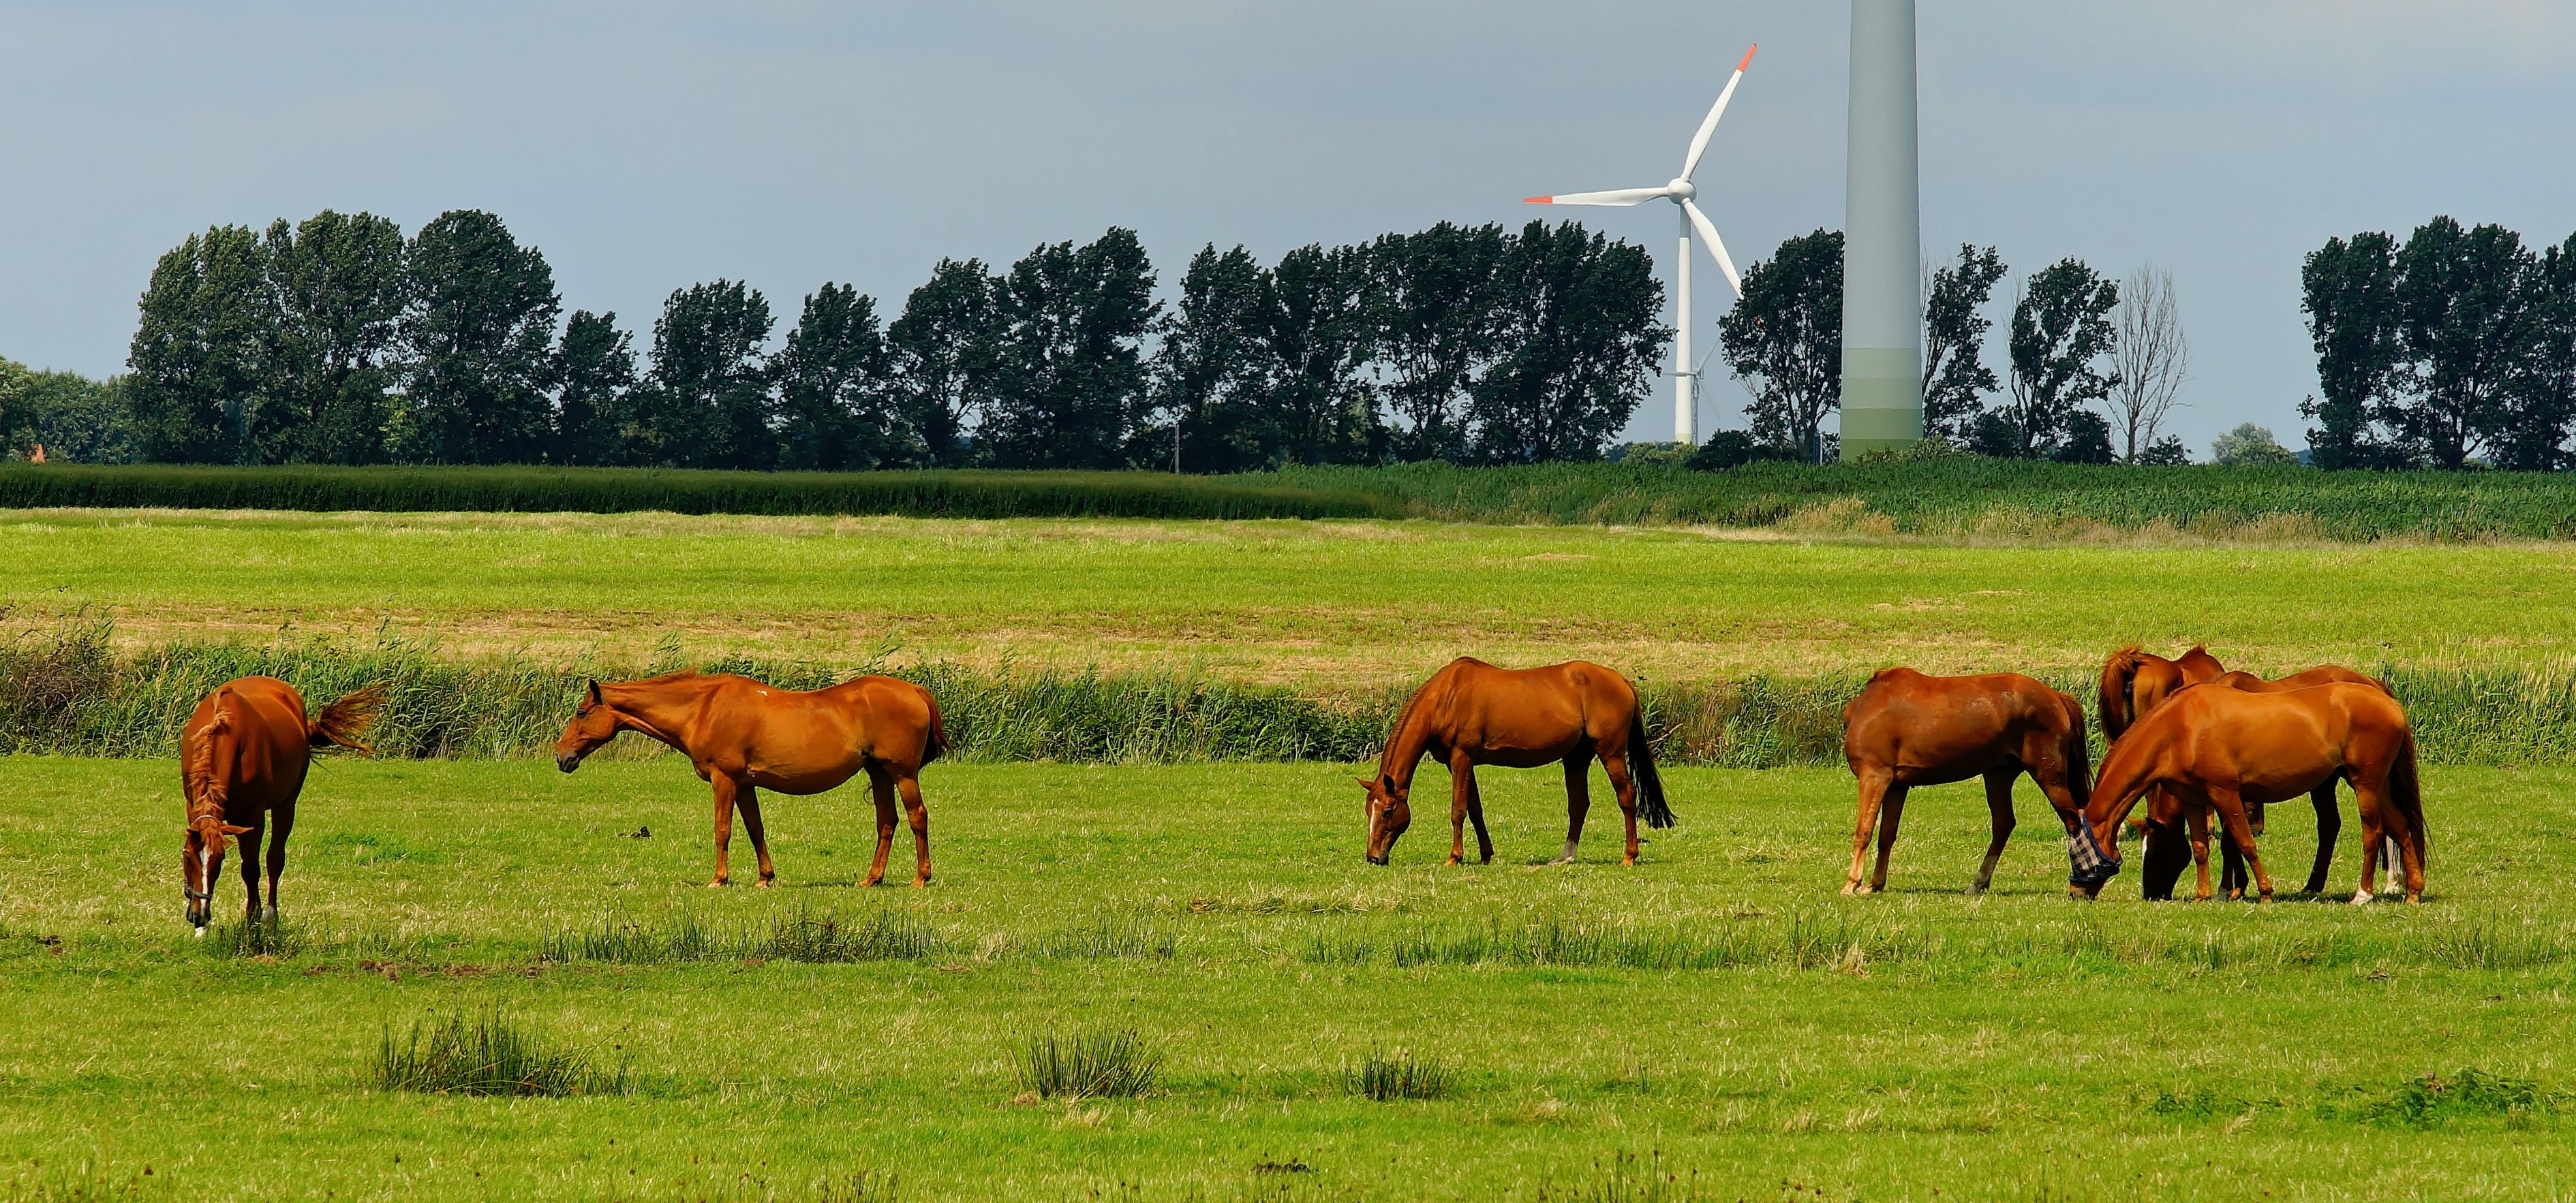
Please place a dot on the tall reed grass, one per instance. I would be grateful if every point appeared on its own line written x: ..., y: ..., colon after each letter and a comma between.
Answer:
x: 65, y: 689
x: 488, y: 1053
x: 621, y: 490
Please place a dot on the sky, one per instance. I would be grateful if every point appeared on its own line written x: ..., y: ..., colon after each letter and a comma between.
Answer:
x: 644, y: 147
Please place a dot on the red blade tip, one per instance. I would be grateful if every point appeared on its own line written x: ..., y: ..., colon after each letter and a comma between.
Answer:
x: 1538, y: 200
x: 1748, y: 57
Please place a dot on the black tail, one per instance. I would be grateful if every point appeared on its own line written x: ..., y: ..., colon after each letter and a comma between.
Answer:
x: 938, y: 741
x: 2405, y: 790
x: 1650, y: 785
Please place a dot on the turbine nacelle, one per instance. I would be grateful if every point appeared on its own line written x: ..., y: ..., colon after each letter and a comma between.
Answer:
x: 1682, y: 190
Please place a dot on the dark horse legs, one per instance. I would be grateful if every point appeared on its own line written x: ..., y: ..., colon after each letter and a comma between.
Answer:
x: 2329, y: 828
x: 283, y: 820
x: 1464, y: 804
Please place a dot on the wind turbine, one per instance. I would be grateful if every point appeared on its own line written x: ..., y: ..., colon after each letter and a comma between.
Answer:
x: 1679, y: 190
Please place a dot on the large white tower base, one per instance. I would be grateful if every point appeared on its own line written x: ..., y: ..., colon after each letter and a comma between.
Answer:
x: 1882, y: 402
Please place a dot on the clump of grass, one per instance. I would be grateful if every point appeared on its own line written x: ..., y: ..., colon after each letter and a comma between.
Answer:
x: 1108, y: 937
x: 2433, y: 1101
x: 1091, y: 1063
x: 266, y: 936
x: 1382, y: 1077
x: 883, y: 936
x: 1627, y: 1179
x: 488, y: 1053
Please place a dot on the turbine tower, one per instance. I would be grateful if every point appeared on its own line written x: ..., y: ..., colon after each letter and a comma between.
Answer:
x: 1882, y: 402
x: 1679, y: 190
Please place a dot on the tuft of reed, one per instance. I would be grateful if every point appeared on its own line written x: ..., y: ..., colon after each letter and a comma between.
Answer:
x: 487, y: 1053
x: 1107, y: 938
x: 267, y: 936
x: 1382, y: 1077
x: 1092, y: 1062
x: 2433, y: 1101
x: 945, y: 494
x: 807, y: 936
x: 1627, y: 1179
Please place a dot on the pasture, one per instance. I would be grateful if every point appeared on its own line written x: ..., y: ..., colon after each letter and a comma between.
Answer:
x: 1717, y: 1012
x: 1324, y: 606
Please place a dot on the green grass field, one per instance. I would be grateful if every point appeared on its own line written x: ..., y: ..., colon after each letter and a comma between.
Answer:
x: 1323, y: 606
x: 1717, y: 1011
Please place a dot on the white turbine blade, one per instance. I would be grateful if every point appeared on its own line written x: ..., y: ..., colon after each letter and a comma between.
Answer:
x: 1699, y: 142
x: 1716, y: 247
x: 1620, y: 196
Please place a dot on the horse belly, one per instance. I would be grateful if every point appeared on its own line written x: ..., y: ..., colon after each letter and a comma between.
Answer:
x: 797, y: 758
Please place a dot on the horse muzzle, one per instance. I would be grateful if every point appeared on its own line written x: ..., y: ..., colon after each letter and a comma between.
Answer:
x: 1377, y: 859
x: 567, y: 761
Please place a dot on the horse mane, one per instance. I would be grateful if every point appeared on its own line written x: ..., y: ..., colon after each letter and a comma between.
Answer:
x: 686, y: 674
x: 208, y: 794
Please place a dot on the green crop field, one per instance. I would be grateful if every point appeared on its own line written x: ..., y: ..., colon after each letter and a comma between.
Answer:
x: 1324, y: 606
x: 1716, y: 1015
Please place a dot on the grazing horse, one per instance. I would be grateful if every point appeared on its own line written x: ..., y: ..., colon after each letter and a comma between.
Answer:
x: 745, y: 736
x: 1906, y: 729
x: 1472, y: 713
x: 2134, y: 682
x: 2232, y: 878
x: 2213, y: 748
x: 242, y: 759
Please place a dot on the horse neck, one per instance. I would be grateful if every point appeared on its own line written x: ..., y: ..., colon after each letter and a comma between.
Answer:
x: 660, y: 710
x: 2123, y: 779
x: 1405, y: 747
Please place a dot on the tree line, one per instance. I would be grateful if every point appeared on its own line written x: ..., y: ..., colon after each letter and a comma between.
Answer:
x: 2453, y: 346
x: 2075, y: 340
x: 340, y: 340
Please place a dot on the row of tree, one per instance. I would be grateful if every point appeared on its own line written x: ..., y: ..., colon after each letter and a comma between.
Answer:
x: 339, y: 340
x: 2076, y: 340
x: 2457, y: 344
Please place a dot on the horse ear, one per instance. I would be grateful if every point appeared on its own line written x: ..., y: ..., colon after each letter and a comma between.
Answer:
x: 1365, y: 783
x: 595, y: 699
x: 232, y: 829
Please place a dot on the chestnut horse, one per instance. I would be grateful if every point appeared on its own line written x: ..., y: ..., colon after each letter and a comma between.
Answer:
x: 2223, y: 749
x: 242, y: 759
x: 2232, y: 878
x: 1472, y: 713
x: 1906, y: 729
x: 745, y: 736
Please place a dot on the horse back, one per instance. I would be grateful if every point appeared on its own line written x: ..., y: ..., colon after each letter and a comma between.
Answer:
x: 1475, y: 706
x: 261, y: 756
x: 1952, y: 725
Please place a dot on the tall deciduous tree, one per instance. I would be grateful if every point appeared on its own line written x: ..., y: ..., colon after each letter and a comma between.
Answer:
x: 1208, y: 377
x: 2349, y: 291
x: 2061, y: 338
x: 1577, y: 331
x: 1070, y: 375
x: 594, y: 375
x: 947, y: 349
x: 835, y: 406
x: 710, y: 404
x: 339, y: 289
x: 1784, y: 340
x: 478, y: 343
x: 2150, y: 359
x: 1956, y: 379
x: 1435, y: 301
x: 200, y: 353
x: 2464, y: 309
x: 1317, y: 332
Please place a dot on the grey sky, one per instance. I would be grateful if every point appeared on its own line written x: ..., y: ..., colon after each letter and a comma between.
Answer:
x: 648, y: 146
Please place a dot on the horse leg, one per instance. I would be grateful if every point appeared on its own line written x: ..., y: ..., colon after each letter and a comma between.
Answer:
x: 2198, y: 819
x: 2329, y: 826
x: 724, y: 788
x: 1999, y: 787
x: 881, y: 784
x: 1623, y: 786
x: 749, y: 799
x: 283, y: 818
x: 2231, y: 868
x: 2367, y: 803
x: 1462, y: 795
x: 2405, y: 870
x: 1891, y: 811
x: 1578, y: 802
x: 1874, y: 784
x: 917, y: 814
x: 249, y: 845
x: 2231, y: 808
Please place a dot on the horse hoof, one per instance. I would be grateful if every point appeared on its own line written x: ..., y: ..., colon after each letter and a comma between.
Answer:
x: 2361, y: 897
x: 921, y: 883
x: 763, y: 883
x: 717, y: 884
x: 201, y: 933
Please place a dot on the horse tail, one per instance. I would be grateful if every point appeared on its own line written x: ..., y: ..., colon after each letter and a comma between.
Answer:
x: 1650, y: 784
x: 344, y: 723
x: 2117, y: 674
x: 937, y: 739
x: 2078, y: 753
x: 2407, y: 791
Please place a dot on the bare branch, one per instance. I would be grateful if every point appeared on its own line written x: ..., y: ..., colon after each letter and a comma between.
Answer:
x: 2152, y: 357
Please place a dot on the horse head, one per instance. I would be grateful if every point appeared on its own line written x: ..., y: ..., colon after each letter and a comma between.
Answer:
x: 594, y: 722
x: 201, y: 863
x: 1388, y: 815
